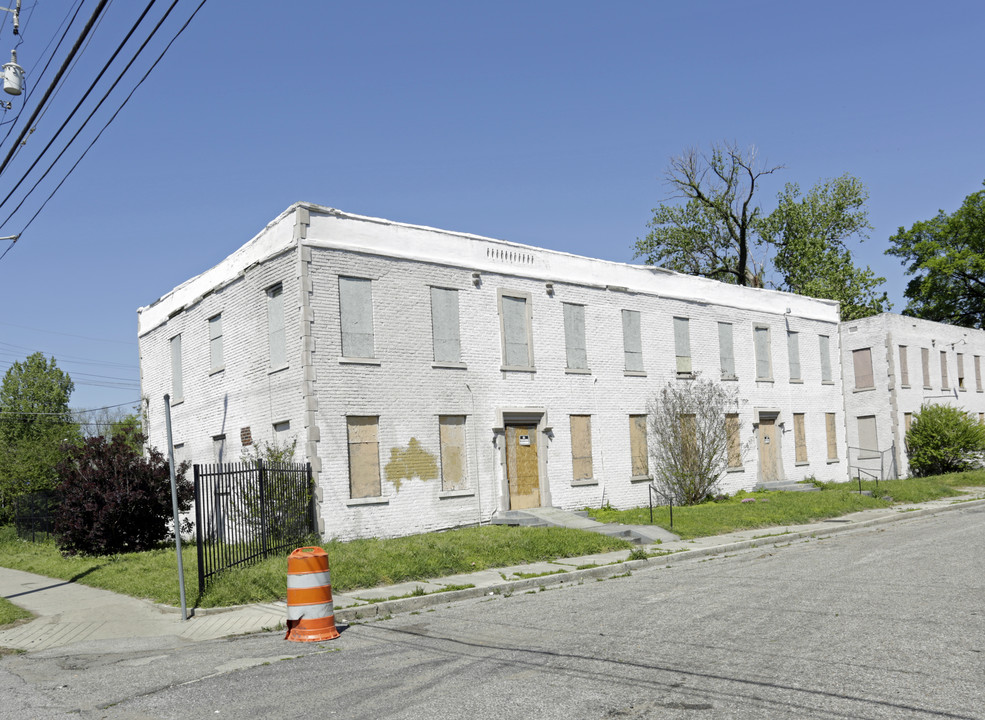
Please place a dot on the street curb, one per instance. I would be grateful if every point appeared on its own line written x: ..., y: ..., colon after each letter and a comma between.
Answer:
x: 620, y: 569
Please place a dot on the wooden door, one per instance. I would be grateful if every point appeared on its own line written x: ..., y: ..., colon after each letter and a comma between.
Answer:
x: 769, y: 466
x: 522, y: 467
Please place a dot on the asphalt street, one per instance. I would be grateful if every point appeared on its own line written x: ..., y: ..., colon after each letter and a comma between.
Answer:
x: 883, y: 622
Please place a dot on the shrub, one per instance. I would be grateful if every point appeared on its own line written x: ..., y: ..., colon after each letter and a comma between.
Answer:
x: 113, y: 499
x: 944, y: 439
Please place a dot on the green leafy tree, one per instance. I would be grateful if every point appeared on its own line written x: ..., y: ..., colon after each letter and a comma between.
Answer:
x: 946, y: 257
x: 35, y: 425
x: 810, y: 235
x: 802, y: 245
x: 944, y: 439
x: 715, y: 232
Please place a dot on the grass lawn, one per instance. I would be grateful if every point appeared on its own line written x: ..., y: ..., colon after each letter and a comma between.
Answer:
x: 771, y: 509
x: 355, y: 564
x: 11, y: 613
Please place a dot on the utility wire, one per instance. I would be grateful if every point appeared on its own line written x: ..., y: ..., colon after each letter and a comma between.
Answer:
x: 108, y: 123
x: 91, y: 87
x: 107, y: 407
x: 51, y: 87
x: 85, y: 96
x: 30, y: 90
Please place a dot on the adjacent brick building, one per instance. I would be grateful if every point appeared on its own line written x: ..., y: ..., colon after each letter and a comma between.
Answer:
x: 435, y: 378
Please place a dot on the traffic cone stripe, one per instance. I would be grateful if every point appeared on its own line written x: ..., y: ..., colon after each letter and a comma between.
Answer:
x: 309, y: 580
x: 298, y: 612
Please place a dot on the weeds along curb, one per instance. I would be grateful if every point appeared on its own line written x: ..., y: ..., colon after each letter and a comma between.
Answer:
x: 604, y: 572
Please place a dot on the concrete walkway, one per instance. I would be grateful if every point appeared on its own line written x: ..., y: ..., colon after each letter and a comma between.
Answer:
x: 72, y: 614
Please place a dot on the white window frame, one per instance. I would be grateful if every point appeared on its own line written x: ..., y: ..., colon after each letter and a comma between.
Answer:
x: 824, y: 348
x: 632, y: 342
x: 355, y: 293
x: 177, y: 382
x: 682, y: 347
x: 575, y: 343
x: 726, y: 360
x: 217, y: 363
x: 767, y: 352
x: 446, y: 334
x: 276, y: 327
x: 793, y: 353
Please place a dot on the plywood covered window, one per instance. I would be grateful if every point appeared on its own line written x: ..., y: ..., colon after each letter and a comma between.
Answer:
x: 824, y: 347
x: 574, y: 336
x: 215, y: 343
x: 799, y: 438
x: 445, y: 336
x: 943, y: 370
x: 904, y: 368
x: 961, y: 372
x: 682, y: 346
x: 581, y: 447
x: 451, y: 430
x: 177, y: 387
x: 364, y: 456
x: 726, y: 352
x: 733, y: 443
x: 761, y: 342
x: 868, y: 443
x: 832, y: 437
x: 637, y: 446
x: 862, y: 361
x: 515, y: 317
x: 356, y: 317
x: 632, y: 340
x: 907, y: 422
x: 793, y: 351
x: 925, y: 362
x: 978, y: 373
x: 276, y: 337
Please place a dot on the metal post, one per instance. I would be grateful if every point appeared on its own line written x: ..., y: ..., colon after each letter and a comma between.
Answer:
x: 670, y: 499
x: 199, y: 535
x: 174, y: 507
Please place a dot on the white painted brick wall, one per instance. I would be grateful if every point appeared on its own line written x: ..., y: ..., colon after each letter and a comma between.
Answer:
x: 408, y: 394
x: 889, y: 400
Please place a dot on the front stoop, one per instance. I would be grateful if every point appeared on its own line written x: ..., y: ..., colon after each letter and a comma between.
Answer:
x: 555, y: 517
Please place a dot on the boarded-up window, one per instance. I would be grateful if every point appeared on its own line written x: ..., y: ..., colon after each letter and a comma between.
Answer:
x: 276, y: 337
x: 925, y: 361
x: 682, y: 345
x: 961, y: 371
x: 904, y: 368
x: 868, y: 443
x: 177, y: 388
x: 451, y: 429
x: 733, y: 442
x: 793, y: 350
x: 943, y: 370
x: 219, y: 448
x: 800, y: 437
x: 515, y: 314
x: 690, y: 458
x: 907, y: 422
x: 356, y: 317
x: 581, y: 447
x: 445, y: 336
x: 824, y: 347
x: 637, y: 446
x: 761, y: 338
x: 978, y: 373
x: 829, y: 427
x: 574, y: 336
x: 282, y: 434
x: 631, y: 340
x: 215, y: 342
x: 364, y: 456
x: 862, y: 360
x: 726, y: 354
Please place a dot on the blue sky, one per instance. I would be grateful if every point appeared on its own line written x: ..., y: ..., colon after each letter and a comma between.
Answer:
x: 546, y: 123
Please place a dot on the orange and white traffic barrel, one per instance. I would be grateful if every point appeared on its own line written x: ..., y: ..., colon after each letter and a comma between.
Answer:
x: 310, y: 613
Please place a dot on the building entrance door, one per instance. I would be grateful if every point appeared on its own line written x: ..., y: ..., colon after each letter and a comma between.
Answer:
x: 522, y: 466
x: 769, y: 450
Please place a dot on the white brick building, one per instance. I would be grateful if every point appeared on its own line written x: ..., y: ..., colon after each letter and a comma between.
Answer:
x: 894, y: 364
x: 435, y: 378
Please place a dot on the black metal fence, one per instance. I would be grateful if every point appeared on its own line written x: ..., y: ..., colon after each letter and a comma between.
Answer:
x: 34, y: 515
x: 247, y: 511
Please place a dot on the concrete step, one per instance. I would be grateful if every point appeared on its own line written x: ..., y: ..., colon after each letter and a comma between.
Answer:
x: 555, y: 517
x: 787, y: 486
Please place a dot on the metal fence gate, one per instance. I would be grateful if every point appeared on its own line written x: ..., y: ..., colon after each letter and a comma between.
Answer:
x: 245, y: 512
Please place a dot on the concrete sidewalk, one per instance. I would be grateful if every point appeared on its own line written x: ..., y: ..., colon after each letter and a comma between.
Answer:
x: 72, y: 614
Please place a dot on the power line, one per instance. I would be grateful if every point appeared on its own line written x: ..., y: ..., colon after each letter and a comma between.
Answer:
x: 106, y: 407
x: 91, y: 87
x: 103, y: 129
x: 55, y: 332
x: 51, y: 87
